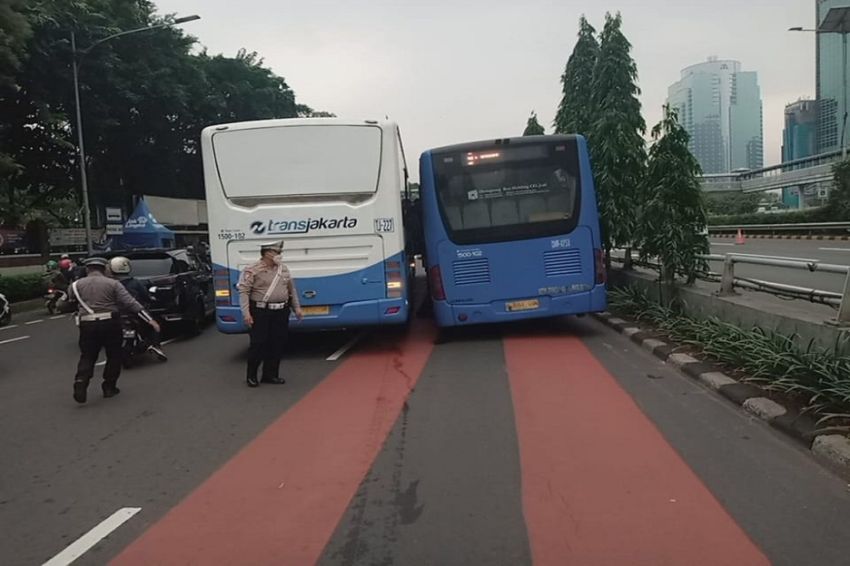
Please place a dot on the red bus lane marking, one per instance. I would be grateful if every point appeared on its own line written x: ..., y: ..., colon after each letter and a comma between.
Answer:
x: 280, y: 498
x: 600, y: 484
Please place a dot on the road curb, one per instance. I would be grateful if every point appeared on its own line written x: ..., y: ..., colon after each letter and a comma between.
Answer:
x: 832, y: 449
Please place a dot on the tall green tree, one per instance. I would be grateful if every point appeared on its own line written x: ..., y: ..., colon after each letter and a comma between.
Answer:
x: 673, y: 217
x: 576, y: 113
x: 732, y: 203
x: 839, y: 197
x: 533, y: 127
x: 15, y: 31
x: 617, y: 146
x: 145, y: 98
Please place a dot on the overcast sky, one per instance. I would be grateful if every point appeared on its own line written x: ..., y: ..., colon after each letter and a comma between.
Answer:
x: 451, y: 71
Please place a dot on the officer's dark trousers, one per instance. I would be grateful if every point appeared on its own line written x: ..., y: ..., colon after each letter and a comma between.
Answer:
x: 94, y: 336
x: 268, y: 337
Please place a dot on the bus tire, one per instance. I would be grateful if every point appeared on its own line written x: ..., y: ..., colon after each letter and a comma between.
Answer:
x: 445, y: 335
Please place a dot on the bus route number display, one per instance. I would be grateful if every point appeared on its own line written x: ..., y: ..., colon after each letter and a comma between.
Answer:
x: 384, y: 225
x: 231, y: 235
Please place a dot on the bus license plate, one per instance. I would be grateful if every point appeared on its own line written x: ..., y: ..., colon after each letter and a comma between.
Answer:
x: 529, y: 305
x: 315, y: 311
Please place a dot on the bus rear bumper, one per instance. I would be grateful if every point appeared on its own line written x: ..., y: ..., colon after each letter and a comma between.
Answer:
x: 549, y: 306
x: 381, y: 312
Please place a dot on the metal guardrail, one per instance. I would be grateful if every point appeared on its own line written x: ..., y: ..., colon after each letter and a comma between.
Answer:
x: 788, y: 227
x: 729, y: 281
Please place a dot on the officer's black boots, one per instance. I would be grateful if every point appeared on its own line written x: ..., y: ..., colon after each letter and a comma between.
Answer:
x: 252, y: 381
x: 273, y: 380
x: 110, y: 391
x: 80, y: 391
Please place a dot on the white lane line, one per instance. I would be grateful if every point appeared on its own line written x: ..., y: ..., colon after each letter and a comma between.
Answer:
x: 58, y: 316
x: 719, y: 244
x: 339, y: 353
x: 18, y: 339
x: 94, y: 536
x: 834, y: 249
x: 34, y: 322
x: 10, y: 327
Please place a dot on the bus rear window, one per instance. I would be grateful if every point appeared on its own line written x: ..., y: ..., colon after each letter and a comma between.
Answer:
x: 501, y: 194
x: 298, y: 160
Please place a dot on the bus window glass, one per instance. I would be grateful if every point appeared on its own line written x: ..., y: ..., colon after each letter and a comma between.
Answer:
x: 506, y: 194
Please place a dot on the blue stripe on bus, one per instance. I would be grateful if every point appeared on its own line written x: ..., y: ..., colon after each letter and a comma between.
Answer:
x: 350, y: 313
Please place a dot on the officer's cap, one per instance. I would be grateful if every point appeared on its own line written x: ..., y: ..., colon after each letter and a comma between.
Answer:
x: 272, y: 246
x: 96, y: 262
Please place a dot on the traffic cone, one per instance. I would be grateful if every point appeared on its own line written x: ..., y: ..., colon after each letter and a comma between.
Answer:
x: 739, y: 239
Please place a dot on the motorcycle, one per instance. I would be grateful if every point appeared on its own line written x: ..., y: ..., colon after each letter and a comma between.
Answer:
x: 133, y: 344
x: 53, y: 297
x: 5, y: 311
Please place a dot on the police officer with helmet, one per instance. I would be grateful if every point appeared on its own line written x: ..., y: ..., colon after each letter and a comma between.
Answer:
x: 267, y: 294
x: 99, y: 300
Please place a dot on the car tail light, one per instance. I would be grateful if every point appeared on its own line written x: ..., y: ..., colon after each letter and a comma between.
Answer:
x: 438, y: 292
x: 601, y: 275
x: 392, y: 310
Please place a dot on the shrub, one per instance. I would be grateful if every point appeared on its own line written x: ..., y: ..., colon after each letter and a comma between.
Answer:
x: 820, y: 377
x: 22, y: 287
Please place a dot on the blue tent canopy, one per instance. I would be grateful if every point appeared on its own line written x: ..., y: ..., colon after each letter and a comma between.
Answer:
x: 143, y: 231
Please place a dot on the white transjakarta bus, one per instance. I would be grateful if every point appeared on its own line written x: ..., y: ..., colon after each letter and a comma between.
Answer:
x: 332, y: 189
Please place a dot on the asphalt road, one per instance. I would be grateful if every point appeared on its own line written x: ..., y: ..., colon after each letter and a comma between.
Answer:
x: 555, y: 443
x: 824, y: 251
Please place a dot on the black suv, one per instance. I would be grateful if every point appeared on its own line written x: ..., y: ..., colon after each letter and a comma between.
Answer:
x: 179, y: 282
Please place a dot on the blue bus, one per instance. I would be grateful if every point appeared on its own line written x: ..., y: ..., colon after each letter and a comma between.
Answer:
x: 511, y: 230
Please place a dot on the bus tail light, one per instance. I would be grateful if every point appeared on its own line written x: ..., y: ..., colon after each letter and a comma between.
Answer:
x: 395, y: 282
x: 438, y: 292
x: 221, y: 284
x: 601, y: 275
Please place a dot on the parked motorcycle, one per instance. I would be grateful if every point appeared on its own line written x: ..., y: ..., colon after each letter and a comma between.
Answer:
x: 52, y: 298
x: 5, y: 310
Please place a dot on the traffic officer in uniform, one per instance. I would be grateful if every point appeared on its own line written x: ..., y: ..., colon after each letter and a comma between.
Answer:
x: 267, y: 294
x: 99, y: 300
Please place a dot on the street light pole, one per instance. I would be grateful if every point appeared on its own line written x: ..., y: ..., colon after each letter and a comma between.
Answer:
x: 844, y: 88
x: 75, y: 66
x: 81, y: 151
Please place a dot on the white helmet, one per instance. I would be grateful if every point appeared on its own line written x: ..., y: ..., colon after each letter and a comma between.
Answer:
x: 119, y: 265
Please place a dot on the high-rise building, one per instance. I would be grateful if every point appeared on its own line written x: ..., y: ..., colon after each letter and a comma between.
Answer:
x: 830, y: 88
x: 720, y: 107
x: 799, y: 140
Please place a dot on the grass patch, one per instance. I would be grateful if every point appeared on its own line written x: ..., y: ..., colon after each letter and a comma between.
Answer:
x: 818, y: 378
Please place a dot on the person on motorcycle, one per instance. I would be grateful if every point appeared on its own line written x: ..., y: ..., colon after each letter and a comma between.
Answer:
x: 57, y: 285
x: 68, y: 269
x: 121, y: 269
x: 53, y: 276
